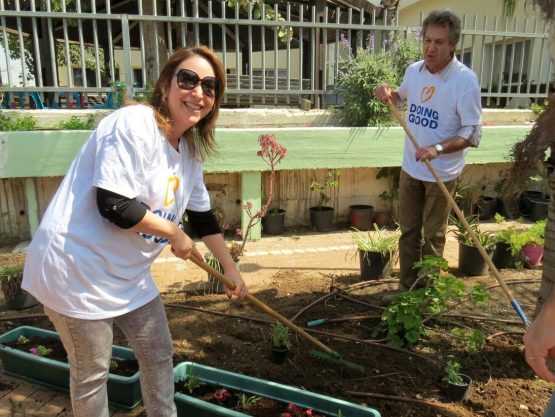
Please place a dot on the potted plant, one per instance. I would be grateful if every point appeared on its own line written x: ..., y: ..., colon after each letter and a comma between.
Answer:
x: 272, y: 153
x: 321, y: 216
x: 273, y: 221
x: 280, y: 340
x: 507, y: 197
x: 377, y: 250
x: 16, y: 298
x: 471, y: 261
x: 533, y: 247
x: 458, y: 383
x: 509, y: 244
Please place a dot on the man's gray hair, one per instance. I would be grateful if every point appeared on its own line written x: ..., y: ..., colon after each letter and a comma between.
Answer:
x: 445, y: 18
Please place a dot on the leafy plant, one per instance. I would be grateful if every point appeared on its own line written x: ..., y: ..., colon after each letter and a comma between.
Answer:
x: 406, y: 316
x: 324, y: 190
x: 11, y: 270
x: 40, y: 350
x: 247, y: 401
x: 393, y: 173
x: 486, y: 238
x: 22, y: 340
x: 280, y: 336
x: 512, y: 236
x: 364, y: 70
x: 378, y: 240
x: 538, y: 108
x: 535, y: 235
x: 452, y: 370
x: 18, y: 123
x: 74, y: 123
x: 192, y: 382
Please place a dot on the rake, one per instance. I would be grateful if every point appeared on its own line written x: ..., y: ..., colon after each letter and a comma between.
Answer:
x: 327, y: 354
x: 460, y: 215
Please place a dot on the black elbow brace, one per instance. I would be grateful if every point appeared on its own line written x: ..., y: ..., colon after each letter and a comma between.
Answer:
x: 122, y: 211
x: 204, y: 223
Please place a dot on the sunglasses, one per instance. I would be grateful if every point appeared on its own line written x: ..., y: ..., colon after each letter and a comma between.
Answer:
x: 188, y: 80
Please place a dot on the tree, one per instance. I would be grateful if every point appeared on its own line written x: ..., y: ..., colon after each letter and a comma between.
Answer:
x: 532, y: 149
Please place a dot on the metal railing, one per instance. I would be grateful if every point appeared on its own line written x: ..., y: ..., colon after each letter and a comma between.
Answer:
x: 272, y: 56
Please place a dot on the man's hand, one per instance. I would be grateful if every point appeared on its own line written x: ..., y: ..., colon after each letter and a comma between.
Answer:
x: 384, y: 92
x: 426, y: 154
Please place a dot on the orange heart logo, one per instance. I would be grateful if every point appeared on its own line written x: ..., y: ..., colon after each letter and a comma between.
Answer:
x: 173, y: 185
x: 427, y: 94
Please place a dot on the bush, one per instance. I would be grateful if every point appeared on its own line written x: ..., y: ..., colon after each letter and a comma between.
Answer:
x: 361, y: 74
x: 17, y: 123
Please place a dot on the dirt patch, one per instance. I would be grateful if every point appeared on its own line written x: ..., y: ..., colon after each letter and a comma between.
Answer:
x: 234, y: 336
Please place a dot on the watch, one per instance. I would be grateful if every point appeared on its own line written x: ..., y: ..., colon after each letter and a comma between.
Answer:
x: 438, y: 148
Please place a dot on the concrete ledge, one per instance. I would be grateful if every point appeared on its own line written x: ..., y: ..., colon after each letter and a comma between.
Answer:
x: 252, y: 118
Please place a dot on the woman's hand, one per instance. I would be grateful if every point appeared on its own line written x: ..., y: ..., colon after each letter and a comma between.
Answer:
x: 240, y: 290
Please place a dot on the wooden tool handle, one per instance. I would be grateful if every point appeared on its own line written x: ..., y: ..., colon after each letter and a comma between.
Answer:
x: 263, y: 307
x: 461, y: 217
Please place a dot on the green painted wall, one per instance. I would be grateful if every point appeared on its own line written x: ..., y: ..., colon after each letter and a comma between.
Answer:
x: 49, y: 153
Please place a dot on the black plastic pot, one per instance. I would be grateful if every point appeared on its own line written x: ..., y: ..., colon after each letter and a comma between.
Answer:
x: 457, y: 392
x: 374, y: 265
x: 527, y: 199
x: 508, y: 207
x: 361, y: 216
x: 321, y: 218
x: 486, y: 207
x: 503, y: 256
x: 272, y: 223
x: 471, y: 262
x: 279, y: 355
x: 538, y: 207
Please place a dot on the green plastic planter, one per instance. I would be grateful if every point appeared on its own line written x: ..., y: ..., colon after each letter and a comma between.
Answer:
x: 190, y: 406
x: 123, y: 392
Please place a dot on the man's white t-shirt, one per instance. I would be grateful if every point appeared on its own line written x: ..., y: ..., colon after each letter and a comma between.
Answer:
x: 80, y: 264
x: 438, y: 105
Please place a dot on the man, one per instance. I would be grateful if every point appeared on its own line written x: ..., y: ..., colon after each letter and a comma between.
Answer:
x: 444, y: 115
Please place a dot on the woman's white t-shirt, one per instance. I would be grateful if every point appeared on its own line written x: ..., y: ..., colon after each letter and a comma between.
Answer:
x: 80, y: 264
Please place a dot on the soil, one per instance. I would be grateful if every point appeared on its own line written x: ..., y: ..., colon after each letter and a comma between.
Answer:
x: 234, y: 336
x: 56, y: 351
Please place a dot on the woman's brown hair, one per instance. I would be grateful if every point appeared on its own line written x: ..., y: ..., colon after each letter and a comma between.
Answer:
x: 201, y: 136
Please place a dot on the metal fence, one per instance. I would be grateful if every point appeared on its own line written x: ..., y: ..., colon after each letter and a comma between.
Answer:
x: 53, y: 52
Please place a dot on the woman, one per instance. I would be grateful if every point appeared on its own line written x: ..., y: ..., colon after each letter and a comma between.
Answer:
x: 117, y: 207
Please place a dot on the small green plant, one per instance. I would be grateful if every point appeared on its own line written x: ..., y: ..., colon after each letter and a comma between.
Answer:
x: 18, y: 123
x: 535, y: 234
x: 22, y: 340
x: 471, y: 339
x: 406, y: 316
x: 452, y: 370
x: 113, y: 364
x: 324, y: 190
x: 40, y: 350
x: 486, y: 238
x: 512, y: 236
x: 192, y: 382
x: 75, y: 123
x: 280, y: 336
x: 538, y: 108
x: 11, y: 270
x: 246, y: 401
x: 394, y: 174
x: 379, y: 240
